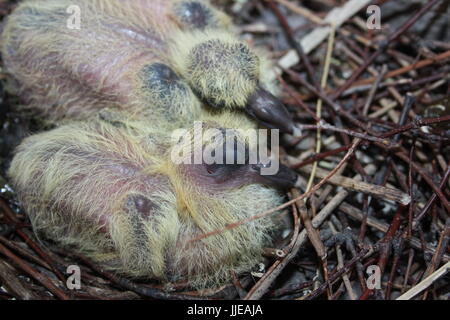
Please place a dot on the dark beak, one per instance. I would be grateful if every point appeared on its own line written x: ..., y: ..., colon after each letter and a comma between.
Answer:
x: 269, y: 111
x: 284, y: 179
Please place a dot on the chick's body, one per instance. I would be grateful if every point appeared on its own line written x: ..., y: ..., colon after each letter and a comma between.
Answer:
x: 127, y: 54
x: 113, y: 193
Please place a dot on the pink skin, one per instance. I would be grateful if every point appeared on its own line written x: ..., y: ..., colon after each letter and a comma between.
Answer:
x: 102, y: 179
x: 96, y: 65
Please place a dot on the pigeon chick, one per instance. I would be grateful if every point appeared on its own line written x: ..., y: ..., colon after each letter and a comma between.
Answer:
x: 116, y: 193
x: 156, y: 58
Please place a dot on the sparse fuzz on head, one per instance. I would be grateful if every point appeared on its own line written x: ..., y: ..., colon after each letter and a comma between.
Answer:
x: 220, y: 69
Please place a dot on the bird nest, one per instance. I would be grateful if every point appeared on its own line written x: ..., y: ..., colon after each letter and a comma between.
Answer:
x: 370, y: 213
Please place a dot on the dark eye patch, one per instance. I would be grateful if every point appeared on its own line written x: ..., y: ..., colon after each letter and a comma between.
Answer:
x: 161, y: 78
x: 225, y: 170
x: 139, y: 210
x: 195, y: 14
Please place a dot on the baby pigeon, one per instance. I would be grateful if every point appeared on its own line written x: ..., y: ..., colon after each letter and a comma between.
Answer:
x: 115, y: 192
x: 154, y: 57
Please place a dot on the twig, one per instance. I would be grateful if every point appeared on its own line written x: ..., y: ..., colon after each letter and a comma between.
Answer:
x: 427, y: 178
x: 385, y: 245
x: 374, y: 89
x: 301, y: 11
x: 398, y: 72
x: 323, y: 84
x: 289, y: 33
x: 262, y: 286
x: 13, y: 283
x: 368, y: 188
x: 311, y: 41
x: 432, y: 199
x: 144, y: 291
x: 42, y: 279
x: 338, y: 274
x: 383, y: 227
x: 408, y: 24
x: 425, y: 283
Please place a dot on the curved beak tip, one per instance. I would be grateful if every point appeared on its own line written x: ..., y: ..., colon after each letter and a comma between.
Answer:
x: 285, y: 178
x: 270, y: 111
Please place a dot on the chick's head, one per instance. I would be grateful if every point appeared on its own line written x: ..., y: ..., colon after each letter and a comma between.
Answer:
x: 222, y: 153
x: 224, y: 187
x: 226, y: 73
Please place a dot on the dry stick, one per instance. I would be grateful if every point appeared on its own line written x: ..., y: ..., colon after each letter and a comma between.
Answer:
x: 312, y: 40
x: 340, y: 258
x: 338, y: 274
x: 264, y: 283
x: 24, y: 253
x: 42, y: 279
x: 410, y: 183
x: 127, y: 284
x: 350, y: 239
x: 323, y: 84
x: 292, y: 288
x: 441, y: 248
x: 326, y: 126
x: 320, y: 156
x: 296, y: 231
x: 383, y: 227
x: 408, y: 24
x: 432, y: 198
x: 405, y: 84
x: 403, y: 70
x: 273, y: 271
x: 297, y: 99
x: 408, y: 269
x: 322, y: 125
x: 374, y: 89
x: 385, y: 246
x: 425, y: 283
x: 314, y: 236
x: 301, y: 11
x: 437, y: 257
x: 289, y: 33
x: 397, y: 254
x: 364, y: 187
x: 13, y: 285
x: 427, y: 178
x: 329, y: 101
x: 416, y: 124
x: 286, y: 204
x: 41, y: 253
x: 382, y: 176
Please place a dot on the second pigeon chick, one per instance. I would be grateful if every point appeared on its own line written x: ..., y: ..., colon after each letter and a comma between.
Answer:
x: 153, y: 57
x: 113, y: 192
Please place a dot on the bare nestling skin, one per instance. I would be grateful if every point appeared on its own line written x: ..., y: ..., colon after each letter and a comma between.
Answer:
x: 156, y: 57
x: 111, y: 191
